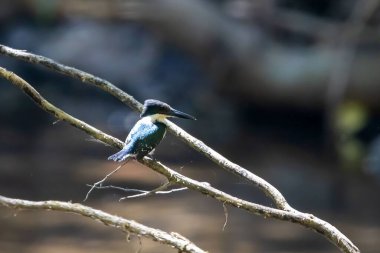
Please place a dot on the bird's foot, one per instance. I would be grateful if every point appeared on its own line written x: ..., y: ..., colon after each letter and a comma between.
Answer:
x: 152, y: 157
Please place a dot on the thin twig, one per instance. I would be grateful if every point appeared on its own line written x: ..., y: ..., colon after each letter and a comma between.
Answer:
x: 103, y: 187
x: 148, y: 193
x: 141, y: 192
x: 125, y: 225
x: 100, y: 182
x: 140, y: 244
x: 306, y: 220
x: 158, y: 190
x: 225, y: 210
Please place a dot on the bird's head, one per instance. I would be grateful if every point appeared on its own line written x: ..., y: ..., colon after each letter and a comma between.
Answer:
x: 157, y: 108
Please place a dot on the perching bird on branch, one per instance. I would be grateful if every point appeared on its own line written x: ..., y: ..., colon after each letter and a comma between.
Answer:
x: 148, y: 132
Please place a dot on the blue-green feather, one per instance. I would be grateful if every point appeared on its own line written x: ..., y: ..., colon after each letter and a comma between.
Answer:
x: 142, y: 139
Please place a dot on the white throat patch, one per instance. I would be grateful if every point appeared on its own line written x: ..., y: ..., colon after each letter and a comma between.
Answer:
x: 157, y: 117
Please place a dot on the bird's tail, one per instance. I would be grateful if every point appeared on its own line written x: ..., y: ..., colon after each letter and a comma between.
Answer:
x: 121, y: 155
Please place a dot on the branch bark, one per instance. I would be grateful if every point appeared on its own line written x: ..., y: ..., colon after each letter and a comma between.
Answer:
x: 286, y: 214
x: 126, y: 226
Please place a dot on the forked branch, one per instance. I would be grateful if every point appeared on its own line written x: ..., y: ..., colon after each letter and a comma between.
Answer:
x: 306, y: 220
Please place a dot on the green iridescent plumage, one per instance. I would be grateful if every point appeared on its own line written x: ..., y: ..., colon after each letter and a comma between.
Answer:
x: 148, y: 131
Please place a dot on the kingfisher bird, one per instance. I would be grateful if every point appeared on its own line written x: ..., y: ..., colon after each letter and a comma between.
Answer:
x: 148, y: 132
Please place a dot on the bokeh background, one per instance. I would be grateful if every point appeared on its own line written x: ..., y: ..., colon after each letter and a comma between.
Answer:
x: 289, y: 89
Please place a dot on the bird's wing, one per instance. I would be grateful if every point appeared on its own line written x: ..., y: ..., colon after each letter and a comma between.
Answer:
x: 140, y: 127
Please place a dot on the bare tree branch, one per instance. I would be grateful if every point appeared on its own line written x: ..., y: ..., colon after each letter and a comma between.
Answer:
x: 231, y: 167
x: 126, y: 226
x: 306, y: 220
x: 193, y: 142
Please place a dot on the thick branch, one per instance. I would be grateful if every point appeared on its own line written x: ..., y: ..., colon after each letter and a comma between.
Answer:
x: 306, y: 220
x: 127, y: 226
x: 58, y: 113
x: 75, y: 73
x: 231, y: 167
x: 193, y: 142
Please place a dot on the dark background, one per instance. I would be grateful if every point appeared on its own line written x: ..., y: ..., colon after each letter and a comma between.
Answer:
x: 288, y: 89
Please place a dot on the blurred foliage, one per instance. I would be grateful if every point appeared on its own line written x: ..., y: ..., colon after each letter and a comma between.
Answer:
x: 350, y: 118
x: 46, y: 10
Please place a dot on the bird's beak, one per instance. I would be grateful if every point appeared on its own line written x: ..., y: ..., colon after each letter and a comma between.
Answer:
x: 179, y: 114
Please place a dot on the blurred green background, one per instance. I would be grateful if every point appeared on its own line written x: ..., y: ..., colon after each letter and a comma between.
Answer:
x: 289, y: 89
